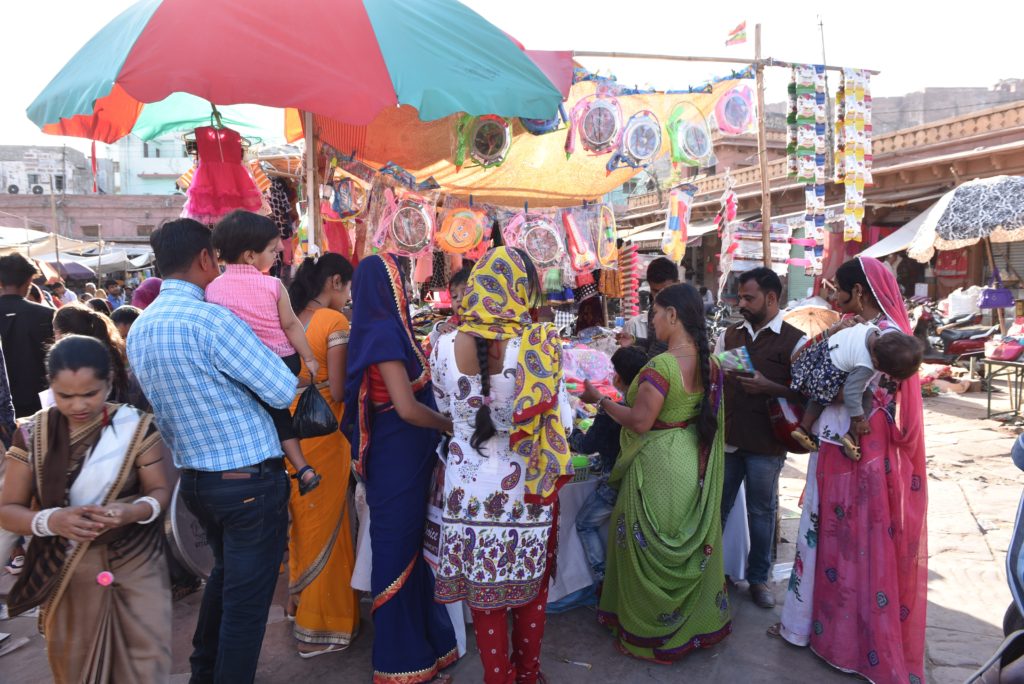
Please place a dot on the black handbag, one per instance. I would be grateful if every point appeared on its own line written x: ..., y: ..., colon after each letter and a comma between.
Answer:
x: 313, y: 416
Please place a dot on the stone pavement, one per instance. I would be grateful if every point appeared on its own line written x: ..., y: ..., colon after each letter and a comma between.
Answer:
x: 974, y: 492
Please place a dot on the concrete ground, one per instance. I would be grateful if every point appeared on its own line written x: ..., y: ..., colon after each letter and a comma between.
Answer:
x: 974, y: 492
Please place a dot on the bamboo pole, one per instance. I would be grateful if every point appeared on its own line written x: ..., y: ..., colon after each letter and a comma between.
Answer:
x: 769, y: 61
x: 762, y: 154
x: 312, y: 191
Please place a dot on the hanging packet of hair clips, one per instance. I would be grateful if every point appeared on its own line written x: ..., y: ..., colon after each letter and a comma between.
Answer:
x: 579, y: 237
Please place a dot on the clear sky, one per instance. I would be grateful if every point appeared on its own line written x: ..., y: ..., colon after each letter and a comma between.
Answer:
x: 914, y: 44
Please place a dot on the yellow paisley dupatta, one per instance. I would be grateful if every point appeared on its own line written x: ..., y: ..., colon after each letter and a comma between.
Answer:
x: 497, y: 307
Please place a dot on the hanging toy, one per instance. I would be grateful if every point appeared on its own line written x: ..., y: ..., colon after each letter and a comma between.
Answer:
x: 680, y: 203
x: 734, y: 112
x: 542, y: 126
x: 346, y: 202
x: 606, y: 237
x: 486, y: 139
x: 641, y: 141
x: 535, y: 234
x: 598, y: 119
x: 462, y: 229
x: 407, y: 222
x: 689, y: 136
x: 581, y: 254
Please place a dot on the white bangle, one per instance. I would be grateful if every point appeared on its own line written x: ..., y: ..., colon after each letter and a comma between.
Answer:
x: 41, y: 523
x: 154, y: 504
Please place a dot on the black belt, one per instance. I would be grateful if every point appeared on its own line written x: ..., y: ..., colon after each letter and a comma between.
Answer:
x: 271, y: 465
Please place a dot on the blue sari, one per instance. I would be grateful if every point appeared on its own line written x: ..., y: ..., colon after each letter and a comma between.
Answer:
x: 414, y: 637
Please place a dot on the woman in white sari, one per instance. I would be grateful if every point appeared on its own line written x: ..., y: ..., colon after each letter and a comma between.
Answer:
x: 85, y: 478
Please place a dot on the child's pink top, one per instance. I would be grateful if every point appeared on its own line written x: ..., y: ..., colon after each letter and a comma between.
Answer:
x: 252, y: 296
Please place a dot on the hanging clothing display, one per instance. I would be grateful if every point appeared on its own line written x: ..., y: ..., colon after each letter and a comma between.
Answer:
x: 221, y: 183
x: 281, y: 197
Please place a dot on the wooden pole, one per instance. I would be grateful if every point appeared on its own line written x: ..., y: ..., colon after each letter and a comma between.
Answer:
x: 312, y: 191
x: 688, y: 58
x: 762, y: 154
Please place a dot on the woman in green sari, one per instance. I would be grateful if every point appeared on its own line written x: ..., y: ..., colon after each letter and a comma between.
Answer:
x: 664, y: 592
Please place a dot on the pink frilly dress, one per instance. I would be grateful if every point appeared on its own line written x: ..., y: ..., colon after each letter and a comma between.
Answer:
x: 221, y: 183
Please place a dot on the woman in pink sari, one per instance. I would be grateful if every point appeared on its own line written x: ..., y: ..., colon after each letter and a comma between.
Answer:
x: 862, y: 561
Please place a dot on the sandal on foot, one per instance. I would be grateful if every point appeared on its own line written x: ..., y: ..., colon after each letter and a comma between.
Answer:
x: 306, y: 486
x: 775, y: 630
x: 330, y: 648
x: 624, y: 651
x: 850, y: 448
x: 804, y: 439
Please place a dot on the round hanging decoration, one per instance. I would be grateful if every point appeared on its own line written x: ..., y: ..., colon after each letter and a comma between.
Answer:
x: 607, y: 251
x: 408, y: 222
x: 535, y: 234
x: 461, y: 230
x: 734, y: 113
x: 599, y: 121
x: 641, y: 142
x: 485, y: 139
x: 689, y: 136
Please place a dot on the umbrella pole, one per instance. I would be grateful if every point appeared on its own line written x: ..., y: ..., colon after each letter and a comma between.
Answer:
x: 762, y: 156
x: 53, y: 214
x: 992, y: 267
x: 312, y: 191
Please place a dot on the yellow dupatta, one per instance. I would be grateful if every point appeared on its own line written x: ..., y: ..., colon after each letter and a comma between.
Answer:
x: 497, y: 307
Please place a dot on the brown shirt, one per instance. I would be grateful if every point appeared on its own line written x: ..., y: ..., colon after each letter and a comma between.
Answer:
x: 747, y: 425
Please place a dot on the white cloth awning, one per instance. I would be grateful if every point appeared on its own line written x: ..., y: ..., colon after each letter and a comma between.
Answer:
x: 693, y: 232
x: 896, y: 242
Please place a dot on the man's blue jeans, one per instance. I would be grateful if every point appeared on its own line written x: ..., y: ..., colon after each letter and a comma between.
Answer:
x: 245, y: 517
x: 594, y: 513
x: 761, y: 473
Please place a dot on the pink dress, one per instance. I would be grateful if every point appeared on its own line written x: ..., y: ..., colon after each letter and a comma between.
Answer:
x: 871, y: 567
x: 252, y: 296
x: 221, y: 183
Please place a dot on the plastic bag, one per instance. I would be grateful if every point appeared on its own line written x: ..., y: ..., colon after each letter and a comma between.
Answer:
x: 313, y: 416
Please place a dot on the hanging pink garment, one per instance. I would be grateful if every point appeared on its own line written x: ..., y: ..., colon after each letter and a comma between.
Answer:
x: 424, y: 269
x: 221, y: 183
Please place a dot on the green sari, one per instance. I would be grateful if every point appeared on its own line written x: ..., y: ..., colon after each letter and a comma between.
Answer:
x: 664, y: 591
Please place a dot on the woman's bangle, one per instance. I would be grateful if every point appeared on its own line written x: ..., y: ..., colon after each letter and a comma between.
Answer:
x: 154, y: 504
x: 41, y: 523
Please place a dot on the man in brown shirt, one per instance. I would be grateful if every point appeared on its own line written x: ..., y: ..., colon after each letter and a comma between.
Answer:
x: 752, y: 454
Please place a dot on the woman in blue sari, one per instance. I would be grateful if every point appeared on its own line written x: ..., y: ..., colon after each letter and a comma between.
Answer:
x: 393, y: 426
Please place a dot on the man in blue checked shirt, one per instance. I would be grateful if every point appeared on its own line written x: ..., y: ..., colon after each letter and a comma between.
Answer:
x: 202, y: 368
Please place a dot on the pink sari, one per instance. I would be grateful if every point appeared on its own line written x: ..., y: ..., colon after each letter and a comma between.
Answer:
x: 871, y: 571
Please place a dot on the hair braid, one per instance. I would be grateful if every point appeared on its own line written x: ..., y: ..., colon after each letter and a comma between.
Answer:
x: 706, y: 423
x: 484, y: 427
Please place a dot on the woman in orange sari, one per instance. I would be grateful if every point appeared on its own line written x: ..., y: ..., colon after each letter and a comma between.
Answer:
x: 320, y: 554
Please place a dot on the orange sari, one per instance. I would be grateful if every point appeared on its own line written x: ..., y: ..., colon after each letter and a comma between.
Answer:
x: 320, y: 552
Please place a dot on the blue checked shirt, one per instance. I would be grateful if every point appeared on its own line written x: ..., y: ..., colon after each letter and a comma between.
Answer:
x: 199, y: 366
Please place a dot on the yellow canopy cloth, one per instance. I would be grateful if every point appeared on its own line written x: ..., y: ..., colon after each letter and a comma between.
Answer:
x: 497, y: 307
x: 536, y: 169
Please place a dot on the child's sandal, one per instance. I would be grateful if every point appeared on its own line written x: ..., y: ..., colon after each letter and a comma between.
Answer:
x: 805, y: 440
x: 850, y: 448
x: 306, y: 486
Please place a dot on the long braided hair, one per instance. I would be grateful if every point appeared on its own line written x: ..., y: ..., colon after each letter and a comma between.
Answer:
x: 689, y: 307
x: 483, y: 427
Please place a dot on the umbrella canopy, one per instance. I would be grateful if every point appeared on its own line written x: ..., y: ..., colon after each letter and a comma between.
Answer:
x: 811, y: 320
x: 990, y: 208
x: 354, y: 59
x: 72, y: 270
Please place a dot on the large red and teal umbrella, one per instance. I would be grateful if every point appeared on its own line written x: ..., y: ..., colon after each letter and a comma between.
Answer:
x: 345, y: 59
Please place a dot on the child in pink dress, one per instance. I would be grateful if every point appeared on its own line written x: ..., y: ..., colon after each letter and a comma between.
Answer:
x: 248, y: 245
